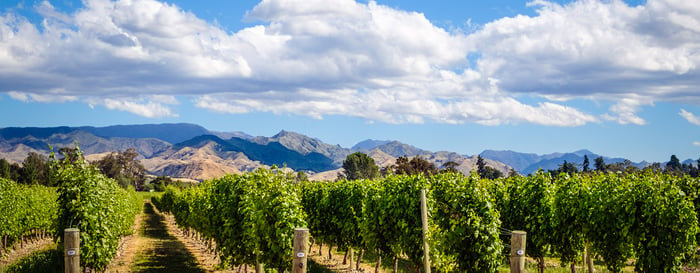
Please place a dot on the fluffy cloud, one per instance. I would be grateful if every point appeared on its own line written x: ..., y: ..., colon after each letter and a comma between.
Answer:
x: 606, y: 50
x: 317, y: 58
x: 690, y: 117
x: 151, y: 106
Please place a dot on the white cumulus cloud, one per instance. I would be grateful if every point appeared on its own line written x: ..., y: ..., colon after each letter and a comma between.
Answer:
x: 342, y: 57
x: 151, y: 107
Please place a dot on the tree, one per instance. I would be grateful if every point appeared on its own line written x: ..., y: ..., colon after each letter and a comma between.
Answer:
x: 586, y: 164
x: 674, y: 165
x: 567, y: 167
x: 416, y: 165
x: 513, y: 172
x: 160, y: 183
x: 480, y: 165
x: 72, y: 154
x: 124, y: 168
x: 302, y: 176
x: 35, y: 169
x: 360, y: 166
x: 9, y: 170
x: 600, y: 164
x: 486, y: 171
x: 450, y: 167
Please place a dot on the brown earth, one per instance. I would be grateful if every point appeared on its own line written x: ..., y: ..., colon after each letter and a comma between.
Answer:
x: 18, y: 252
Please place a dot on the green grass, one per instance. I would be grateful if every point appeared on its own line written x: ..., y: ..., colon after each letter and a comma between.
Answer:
x: 144, y: 195
x: 46, y: 261
x: 164, y: 253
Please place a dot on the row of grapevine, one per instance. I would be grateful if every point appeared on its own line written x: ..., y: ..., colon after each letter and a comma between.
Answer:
x: 384, y: 217
x: 250, y: 217
x: 643, y: 216
x: 96, y: 205
x: 26, y: 211
x: 649, y: 217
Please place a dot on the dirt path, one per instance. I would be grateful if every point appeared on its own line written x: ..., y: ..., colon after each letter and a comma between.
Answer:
x: 128, y: 246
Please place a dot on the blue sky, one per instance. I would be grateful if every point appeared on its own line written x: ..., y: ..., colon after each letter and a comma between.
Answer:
x: 620, y: 78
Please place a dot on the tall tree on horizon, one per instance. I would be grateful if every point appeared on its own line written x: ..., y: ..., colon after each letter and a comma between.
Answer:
x: 600, y: 164
x: 359, y: 165
x: 673, y: 165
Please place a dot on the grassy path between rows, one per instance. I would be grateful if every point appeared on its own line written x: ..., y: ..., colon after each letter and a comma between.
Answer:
x: 160, y: 251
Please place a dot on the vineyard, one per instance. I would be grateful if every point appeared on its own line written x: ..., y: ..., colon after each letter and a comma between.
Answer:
x: 650, y: 218
x: 249, y: 219
x: 85, y: 200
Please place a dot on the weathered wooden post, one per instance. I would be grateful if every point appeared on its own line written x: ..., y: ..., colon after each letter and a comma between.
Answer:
x: 301, y: 245
x: 517, y: 251
x: 71, y: 246
x: 424, y: 219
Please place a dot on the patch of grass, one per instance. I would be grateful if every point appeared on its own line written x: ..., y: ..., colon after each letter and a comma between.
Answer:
x: 145, y: 195
x: 46, y: 261
x: 164, y: 253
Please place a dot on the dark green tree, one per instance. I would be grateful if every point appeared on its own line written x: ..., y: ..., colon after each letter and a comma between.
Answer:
x: 450, y: 167
x: 124, y: 168
x: 674, y: 165
x: 160, y: 183
x: 9, y: 170
x: 480, y: 165
x: 486, y: 171
x: 360, y: 166
x: 35, y: 169
x: 600, y: 164
x: 586, y: 164
x: 416, y: 165
x: 513, y: 172
x: 301, y: 176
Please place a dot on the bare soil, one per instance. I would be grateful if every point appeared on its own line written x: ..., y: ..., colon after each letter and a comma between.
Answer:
x: 13, y: 255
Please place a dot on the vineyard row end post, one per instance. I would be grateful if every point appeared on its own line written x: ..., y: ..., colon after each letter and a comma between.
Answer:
x: 301, y: 250
x: 517, y: 251
x: 71, y: 247
x: 424, y: 221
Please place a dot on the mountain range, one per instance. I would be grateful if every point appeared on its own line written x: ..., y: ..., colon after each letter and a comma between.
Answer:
x: 191, y: 151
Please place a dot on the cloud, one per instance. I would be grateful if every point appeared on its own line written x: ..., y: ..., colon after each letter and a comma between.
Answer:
x: 690, y: 117
x: 625, y: 111
x: 151, y: 107
x: 696, y: 143
x: 53, y: 96
x: 317, y: 58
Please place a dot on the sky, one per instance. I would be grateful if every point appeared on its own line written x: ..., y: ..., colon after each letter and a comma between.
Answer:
x: 620, y: 78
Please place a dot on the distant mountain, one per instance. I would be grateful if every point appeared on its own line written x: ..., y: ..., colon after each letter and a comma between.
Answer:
x: 398, y: 149
x: 368, y: 144
x: 519, y: 161
x: 305, y: 145
x: 526, y: 163
x: 201, y: 158
x: 172, y: 133
x: 60, y: 137
x: 271, y: 153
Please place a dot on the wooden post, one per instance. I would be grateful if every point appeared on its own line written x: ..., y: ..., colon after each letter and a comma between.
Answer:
x: 301, y: 245
x: 71, y: 246
x: 424, y: 219
x: 517, y: 251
